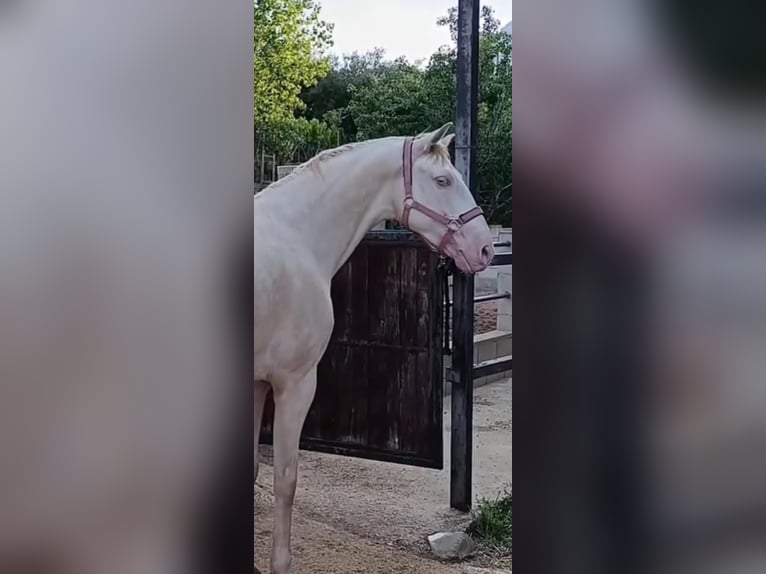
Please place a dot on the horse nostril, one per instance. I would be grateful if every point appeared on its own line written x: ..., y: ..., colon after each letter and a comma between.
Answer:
x: 486, y: 253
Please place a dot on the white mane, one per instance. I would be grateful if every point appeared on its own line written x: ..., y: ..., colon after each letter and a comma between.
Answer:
x: 313, y: 164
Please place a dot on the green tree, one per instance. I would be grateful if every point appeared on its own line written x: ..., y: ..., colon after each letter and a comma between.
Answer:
x: 290, y: 40
x: 330, y: 98
x: 391, y: 102
x: 295, y: 140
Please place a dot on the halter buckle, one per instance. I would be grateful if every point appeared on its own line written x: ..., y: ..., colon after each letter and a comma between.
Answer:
x: 409, y: 201
x: 454, y: 225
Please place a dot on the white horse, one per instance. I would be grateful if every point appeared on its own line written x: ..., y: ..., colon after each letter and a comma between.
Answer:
x: 306, y: 227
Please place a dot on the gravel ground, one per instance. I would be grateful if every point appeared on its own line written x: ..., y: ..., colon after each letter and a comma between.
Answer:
x: 354, y: 515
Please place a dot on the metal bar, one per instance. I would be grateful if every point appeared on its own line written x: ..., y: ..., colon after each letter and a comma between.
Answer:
x: 492, y: 297
x: 501, y: 244
x: 502, y: 259
x: 447, y: 330
x: 461, y: 444
x: 492, y: 366
x: 437, y: 342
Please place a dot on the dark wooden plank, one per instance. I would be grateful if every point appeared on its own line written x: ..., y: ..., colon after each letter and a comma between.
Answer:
x: 407, y: 414
x: 360, y: 327
x: 347, y: 380
x: 379, y: 372
x: 390, y: 331
x: 383, y: 376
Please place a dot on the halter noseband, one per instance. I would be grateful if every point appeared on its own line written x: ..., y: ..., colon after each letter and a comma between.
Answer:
x: 452, y: 224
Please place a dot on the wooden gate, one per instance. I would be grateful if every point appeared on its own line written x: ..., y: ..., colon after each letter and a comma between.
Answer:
x: 379, y: 386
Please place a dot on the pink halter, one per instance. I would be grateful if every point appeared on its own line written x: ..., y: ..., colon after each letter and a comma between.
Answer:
x: 452, y: 224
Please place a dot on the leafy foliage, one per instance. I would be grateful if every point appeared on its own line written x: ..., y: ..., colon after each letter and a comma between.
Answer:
x: 298, y: 139
x: 489, y: 24
x: 330, y: 100
x: 289, y: 42
x: 393, y: 102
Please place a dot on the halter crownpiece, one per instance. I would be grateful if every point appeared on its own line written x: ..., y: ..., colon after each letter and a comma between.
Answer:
x: 452, y: 224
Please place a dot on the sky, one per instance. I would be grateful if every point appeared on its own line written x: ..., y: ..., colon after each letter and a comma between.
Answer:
x: 400, y: 27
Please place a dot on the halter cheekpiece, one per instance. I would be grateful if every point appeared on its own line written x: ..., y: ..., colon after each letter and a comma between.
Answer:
x: 452, y: 224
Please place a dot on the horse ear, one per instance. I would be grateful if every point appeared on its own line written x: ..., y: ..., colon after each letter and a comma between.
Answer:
x: 446, y: 141
x: 437, y: 135
x: 436, y: 138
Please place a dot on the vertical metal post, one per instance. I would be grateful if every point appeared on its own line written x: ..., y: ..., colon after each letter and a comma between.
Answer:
x: 263, y: 164
x: 461, y: 459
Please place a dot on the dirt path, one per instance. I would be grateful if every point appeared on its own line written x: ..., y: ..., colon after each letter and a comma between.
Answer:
x: 319, y: 547
x: 353, y: 515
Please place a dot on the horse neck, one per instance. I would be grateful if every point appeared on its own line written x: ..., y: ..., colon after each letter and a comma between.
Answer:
x: 329, y: 212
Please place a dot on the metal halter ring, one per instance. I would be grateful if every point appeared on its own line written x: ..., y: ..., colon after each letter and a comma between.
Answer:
x: 454, y: 224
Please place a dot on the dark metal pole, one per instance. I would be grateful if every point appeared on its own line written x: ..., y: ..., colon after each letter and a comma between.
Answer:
x: 461, y: 460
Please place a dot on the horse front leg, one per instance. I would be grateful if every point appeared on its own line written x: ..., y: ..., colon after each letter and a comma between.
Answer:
x: 291, y: 405
x: 261, y: 392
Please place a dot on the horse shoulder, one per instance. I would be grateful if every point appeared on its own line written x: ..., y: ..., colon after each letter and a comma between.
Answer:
x: 293, y: 312
x: 304, y: 302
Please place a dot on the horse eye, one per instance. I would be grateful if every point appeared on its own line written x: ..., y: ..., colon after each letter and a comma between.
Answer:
x: 442, y: 181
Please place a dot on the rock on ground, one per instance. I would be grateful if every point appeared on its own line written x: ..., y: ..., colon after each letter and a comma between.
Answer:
x: 452, y: 545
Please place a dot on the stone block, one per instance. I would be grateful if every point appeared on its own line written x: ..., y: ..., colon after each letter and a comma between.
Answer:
x: 484, y: 351
x: 505, y: 347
